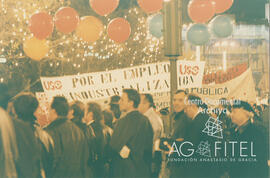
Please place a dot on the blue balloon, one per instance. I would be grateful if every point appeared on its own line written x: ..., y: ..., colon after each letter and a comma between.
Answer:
x: 221, y: 26
x: 198, y: 34
x: 156, y: 25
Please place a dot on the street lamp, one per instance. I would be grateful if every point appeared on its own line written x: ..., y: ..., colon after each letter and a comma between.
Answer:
x: 172, y: 25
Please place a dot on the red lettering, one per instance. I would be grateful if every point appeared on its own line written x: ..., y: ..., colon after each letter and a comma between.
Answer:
x: 195, y: 70
x: 181, y: 72
x: 51, y: 85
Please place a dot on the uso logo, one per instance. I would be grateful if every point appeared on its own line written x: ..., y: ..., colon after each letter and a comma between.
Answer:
x: 189, y: 70
x: 52, y: 85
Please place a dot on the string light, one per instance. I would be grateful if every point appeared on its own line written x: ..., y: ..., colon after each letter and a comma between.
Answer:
x: 76, y: 49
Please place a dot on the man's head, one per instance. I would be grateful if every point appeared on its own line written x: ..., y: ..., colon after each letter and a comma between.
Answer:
x: 59, y: 107
x: 94, y: 112
x: 115, y: 109
x: 179, y: 100
x: 77, y: 109
x: 241, y: 112
x: 193, y: 103
x: 114, y: 106
x: 25, y: 106
x: 114, y: 99
x: 108, y: 118
x: 146, y: 102
x: 130, y: 100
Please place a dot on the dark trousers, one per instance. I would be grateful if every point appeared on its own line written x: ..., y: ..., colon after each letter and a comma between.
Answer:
x: 156, y: 164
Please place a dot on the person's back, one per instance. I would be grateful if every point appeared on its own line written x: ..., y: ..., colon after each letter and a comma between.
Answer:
x: 102, y: 138
x: 46, y: 145
x: 70, y: 152
x: 19, y: 151
x: 90, y: 137
x: 24, y: 107
x: 70, y: 145
x: 28, y: 163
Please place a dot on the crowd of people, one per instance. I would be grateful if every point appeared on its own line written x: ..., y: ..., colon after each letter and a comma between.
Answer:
x: 128, y: 139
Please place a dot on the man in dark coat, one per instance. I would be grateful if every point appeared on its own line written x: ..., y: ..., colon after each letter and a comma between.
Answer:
x: 71, y: 148
x: 254, y: 156
x: 28, y: 163
x: 77, y: 113
x: 196, y: 110
x: 25, y: 106
x: 132, y: 140
x: 20, y: 154
x: 103, y: 133
x: 180, y: 130
x: 181, y: 121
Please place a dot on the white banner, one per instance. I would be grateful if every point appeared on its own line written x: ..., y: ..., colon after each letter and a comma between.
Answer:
x: 189, y: 74
x: 241, y: 87
x: 150, y: 78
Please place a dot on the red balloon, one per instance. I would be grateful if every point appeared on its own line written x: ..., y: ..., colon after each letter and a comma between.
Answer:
x: 41, y: 25
x: 119, y: 30
x: 201, y: 11
x: 222, y: 5
x: 104, y: 7
x: 150, y: 6
x: 66, y: 19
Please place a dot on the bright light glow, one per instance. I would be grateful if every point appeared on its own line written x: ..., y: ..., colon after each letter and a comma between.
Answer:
x: 217, y: 44
x: 233, y: 44
x: 224, y: 43
x: 3, y: 59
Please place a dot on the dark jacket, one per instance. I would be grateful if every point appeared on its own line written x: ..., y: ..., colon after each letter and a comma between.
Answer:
x: 180, y: 130
x: 103, y: 135
x: 135, y: 132
x: 45, y: 143
x: 195, y: 129
x: 70, y: 151
x: 226, y: 124
x: 46, y: 147
x: 28, y: 163
x: 90, y: 136
x: 200, y: 139
x: 250, y: 169
x: 180, y: 126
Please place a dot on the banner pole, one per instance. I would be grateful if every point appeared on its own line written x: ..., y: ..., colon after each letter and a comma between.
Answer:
x: 173, y: 82
x: 172, y: 31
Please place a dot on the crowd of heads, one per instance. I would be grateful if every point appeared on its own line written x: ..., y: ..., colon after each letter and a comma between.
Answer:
x: 24, y: 106
x: 239, y: 111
